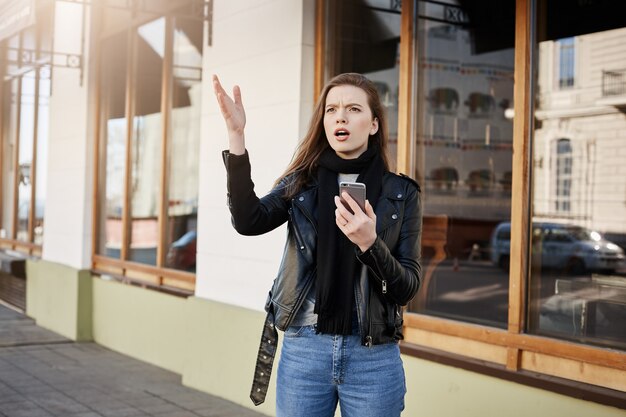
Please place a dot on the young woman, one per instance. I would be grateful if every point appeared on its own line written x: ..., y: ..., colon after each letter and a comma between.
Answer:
x: 345, y: 272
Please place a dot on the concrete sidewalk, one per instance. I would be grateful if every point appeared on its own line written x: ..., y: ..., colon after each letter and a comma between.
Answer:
x: 44, y: 374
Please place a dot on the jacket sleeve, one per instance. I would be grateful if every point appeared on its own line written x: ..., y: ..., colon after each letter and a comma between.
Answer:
x: 251, y: 215
x: 398, y: 271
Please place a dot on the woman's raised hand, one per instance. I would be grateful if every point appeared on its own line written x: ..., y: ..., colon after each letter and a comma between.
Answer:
x: 234, y: 116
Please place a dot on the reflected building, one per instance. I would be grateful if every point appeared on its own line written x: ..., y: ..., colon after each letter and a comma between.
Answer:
x: 580, y: 119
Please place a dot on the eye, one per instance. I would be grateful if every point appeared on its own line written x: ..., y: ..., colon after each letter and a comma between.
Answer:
x: 330, y: 110
x: 355, y: 109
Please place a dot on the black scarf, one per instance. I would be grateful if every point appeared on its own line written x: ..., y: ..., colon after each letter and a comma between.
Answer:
x: 336, y: 256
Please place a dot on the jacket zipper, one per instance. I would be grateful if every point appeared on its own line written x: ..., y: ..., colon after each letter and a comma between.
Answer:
x: 295, y: 202
x: 296, y: 231
x: 383, y: 281
x: 368, y: 338
x: 301, y: 246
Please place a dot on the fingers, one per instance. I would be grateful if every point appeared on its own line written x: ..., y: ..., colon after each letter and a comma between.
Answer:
x: 359, y: 228
x: 342, y: 209
x: 221, y: 93
x: 217, y: 86
x: 369, y: 210
x: 237, y: 95
x: 352, y: 203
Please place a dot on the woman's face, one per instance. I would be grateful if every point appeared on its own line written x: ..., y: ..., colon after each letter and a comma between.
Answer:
x: 348, y: 121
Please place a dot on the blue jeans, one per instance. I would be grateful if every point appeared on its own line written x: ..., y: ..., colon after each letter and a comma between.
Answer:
x: 318, y: 370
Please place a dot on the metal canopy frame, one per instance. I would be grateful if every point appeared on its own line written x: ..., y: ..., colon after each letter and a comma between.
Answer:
x: 27, y: 60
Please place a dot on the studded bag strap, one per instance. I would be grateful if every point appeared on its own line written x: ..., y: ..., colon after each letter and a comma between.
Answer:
x: 265, y: 359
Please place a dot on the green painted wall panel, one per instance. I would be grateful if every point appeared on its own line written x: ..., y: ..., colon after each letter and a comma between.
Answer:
x: 445, y: 391
x: 222, y: 352
x: 140, y: 323
x: 58, y: 297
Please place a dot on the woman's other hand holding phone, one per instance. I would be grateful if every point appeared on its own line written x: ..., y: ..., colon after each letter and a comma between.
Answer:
x: 234, y: 116
x: 359, y: 227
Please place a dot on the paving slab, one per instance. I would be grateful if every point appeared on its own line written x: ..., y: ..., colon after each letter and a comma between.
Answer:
x: 45, y: 374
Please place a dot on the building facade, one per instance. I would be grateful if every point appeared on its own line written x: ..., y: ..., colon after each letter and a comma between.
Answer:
x: 510, y: 114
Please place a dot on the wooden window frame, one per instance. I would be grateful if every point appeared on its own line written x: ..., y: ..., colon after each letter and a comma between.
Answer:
x: 149, y: 276
x: 574, y: 369
x: 12, y: 243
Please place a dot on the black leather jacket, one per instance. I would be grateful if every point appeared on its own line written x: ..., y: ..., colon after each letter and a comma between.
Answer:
x: 393, y: 261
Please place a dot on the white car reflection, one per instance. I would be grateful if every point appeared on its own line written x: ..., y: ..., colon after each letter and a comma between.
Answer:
x: 573, y: 249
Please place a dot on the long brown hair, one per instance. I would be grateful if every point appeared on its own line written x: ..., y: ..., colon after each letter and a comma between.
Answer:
x: 304, y: 163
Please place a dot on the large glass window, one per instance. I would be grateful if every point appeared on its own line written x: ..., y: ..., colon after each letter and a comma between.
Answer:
x: 24, y: 134
x: 529, y: 243
x: 463, y: 157
x: 148, y: 198
x: 578, y: 270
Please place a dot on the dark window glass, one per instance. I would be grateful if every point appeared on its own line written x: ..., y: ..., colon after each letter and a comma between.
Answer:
x: 463, y: 154
x: 577, y: 268
x: 364, y: 37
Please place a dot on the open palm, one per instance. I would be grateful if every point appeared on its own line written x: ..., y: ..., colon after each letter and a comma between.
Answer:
x: 231, y: 108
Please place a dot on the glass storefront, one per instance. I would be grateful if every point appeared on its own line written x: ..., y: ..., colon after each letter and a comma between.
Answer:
x: 578, y: 270
x: 26, y: 93
x: 164, y: 89
x: 463, y: 157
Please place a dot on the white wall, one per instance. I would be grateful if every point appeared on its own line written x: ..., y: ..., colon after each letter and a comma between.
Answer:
x: 267, y: 47
x: 69, y: 176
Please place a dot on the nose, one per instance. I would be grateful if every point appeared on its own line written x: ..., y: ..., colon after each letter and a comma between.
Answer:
x: 341, y: 116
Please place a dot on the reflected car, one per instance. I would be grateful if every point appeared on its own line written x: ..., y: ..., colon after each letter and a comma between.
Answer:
x: 573, y: 249
x: 182, y: 252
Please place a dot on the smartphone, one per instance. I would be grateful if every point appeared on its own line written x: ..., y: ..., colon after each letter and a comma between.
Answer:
x: 356, y: 191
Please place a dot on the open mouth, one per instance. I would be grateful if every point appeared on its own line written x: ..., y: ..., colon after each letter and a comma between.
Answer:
x: 342, y: 133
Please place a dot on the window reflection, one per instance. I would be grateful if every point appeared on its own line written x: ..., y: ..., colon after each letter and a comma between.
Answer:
x: 42, y: 153
x: 156, y: 102
x: 578, y: 274
x: 113, y: 145
x: 26, y: 126
x: 185, y: 142
x: 146, y: 141
x: 463, y: 149
x: 24, y: 134
x: 364, y: 37
x: 9, y: 135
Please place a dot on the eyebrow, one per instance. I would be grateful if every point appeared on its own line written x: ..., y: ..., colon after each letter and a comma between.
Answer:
x: 347, y: 105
